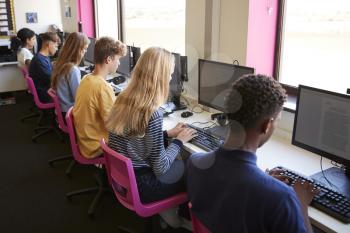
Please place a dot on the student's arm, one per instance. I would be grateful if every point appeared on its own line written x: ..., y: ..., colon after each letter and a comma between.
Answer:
x: 106, y: 100
x: 161, y: 158
x: 305, y: 193
x: 27, y: 62
x: 45, y: 72
x: 289, y: 216
x: 74, y: 81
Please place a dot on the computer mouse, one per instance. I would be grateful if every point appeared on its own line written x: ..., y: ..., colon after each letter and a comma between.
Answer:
x: 186, y: 114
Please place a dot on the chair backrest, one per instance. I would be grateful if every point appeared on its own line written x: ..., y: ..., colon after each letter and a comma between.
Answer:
x: 122, y: 178
x: 61, y: 123
x: 74, y: 144
x: 24, y: 71
x: 198, y: 227
x: 37, y: 101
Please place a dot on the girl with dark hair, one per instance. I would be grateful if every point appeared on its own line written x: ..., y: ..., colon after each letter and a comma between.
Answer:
x: 22, y: 44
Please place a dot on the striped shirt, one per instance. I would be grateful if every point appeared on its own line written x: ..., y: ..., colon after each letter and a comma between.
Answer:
x: 149, y: 150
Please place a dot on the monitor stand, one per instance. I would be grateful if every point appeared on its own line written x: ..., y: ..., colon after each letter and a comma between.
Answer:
x: 178, y: 104
x: 219, y: 131
x: 338, y: 177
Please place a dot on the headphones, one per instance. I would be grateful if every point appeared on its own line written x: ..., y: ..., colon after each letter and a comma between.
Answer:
x: 221, y: 118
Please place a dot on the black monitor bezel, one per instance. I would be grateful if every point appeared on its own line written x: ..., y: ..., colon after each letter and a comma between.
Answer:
x: 200, y: 101
x: 310, y: 148
x: 93, y: 51
x: 128, y: 55
x: 176, y: 77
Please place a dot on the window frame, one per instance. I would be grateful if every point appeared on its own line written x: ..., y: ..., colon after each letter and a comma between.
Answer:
x: 292, y: 91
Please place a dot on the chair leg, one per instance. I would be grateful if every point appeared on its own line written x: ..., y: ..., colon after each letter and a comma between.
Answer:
x: 40, y: 119
x: 39, y: 131
x: 148, y: 227
x: 58, y: 159
x: 100, y: 189
x: 58, y: 133
x: 70, y: 167
x: 31, y: 115
x: 43, y: 131
x: 80, y: 192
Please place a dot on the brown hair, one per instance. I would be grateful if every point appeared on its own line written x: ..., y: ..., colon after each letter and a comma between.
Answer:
x: 70, y: 55
x: 107, y: 46
x: 147, y: 90
x: 49, y: 36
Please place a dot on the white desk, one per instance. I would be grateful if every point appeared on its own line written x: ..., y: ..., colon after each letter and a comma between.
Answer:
x: 11, y: 78
x: 276, y: 152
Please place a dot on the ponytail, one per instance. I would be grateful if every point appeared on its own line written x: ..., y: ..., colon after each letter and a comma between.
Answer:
x: 15, y: 43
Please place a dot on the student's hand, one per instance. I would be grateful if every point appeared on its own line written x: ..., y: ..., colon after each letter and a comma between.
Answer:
x: 277, y: 173
x: 186, y: 134
x: 172, y: 133
x: 305, y: 192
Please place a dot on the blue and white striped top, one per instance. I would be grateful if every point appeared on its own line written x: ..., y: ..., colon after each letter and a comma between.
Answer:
x: 149, y: 150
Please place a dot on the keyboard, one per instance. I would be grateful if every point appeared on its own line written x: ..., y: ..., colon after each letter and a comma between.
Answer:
x: 205, y: 139
x: 328, y: 200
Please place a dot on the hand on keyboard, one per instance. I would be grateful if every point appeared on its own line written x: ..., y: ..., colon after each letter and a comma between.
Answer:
x: 278, y: 174
x: 176, y: 130
x: 186, y: 134
x: 305, y: 191
x: 321, y: 197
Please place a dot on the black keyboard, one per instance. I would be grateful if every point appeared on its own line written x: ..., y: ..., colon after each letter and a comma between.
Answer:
x: 329, y: 201
x: 205, y: 139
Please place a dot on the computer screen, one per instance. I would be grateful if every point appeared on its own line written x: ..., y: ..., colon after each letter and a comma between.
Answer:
x: 322, y: 123
x: 214, y: 81
x: 89, y: 55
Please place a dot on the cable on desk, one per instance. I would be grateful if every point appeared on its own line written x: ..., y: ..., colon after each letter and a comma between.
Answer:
x: 324, y: 176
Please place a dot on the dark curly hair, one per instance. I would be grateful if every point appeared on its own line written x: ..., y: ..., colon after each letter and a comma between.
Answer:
x: 252, y: 98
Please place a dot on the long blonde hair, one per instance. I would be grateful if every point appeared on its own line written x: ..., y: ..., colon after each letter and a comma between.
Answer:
x: 70, y: 55
x: 147, y: 90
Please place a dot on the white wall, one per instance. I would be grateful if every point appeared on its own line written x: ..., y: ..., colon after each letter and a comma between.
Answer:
x: 70, y: 24
x: 49, y: 12
x: 228, y: 35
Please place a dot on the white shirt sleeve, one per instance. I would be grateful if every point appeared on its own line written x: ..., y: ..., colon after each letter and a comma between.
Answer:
x: 23, y: 55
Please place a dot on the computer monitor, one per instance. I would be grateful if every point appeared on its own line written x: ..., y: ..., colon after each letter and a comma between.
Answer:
x: 124, y: 67
x: 135, y: 54
x: 322, y: 126
x: 214, y: 81
x: 89, y: 55
x: 175, y: 85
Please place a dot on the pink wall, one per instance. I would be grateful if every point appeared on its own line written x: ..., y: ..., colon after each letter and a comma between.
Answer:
x: 86, y: 16
x: 262, y: 28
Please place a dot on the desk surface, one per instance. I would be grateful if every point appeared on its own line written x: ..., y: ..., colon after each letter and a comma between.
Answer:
x: 275, y: 152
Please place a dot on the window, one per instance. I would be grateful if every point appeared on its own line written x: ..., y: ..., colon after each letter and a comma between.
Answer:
x: 106, y: 18
x: 155, y: 23
x: 315, y: 46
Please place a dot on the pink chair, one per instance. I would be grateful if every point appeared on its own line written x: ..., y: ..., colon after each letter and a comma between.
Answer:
x: 63, y: 126
x: 41, y: 106
x: 25, y: 73
x: 78, y: 157
x: 198, y: 227
x: 122, y: 178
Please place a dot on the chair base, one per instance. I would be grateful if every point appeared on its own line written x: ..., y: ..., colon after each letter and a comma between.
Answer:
x: 63, y: 158
x: 40, y: 131
x: 148, y: 227
x: 29, y: 116
x: 101, y: 188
